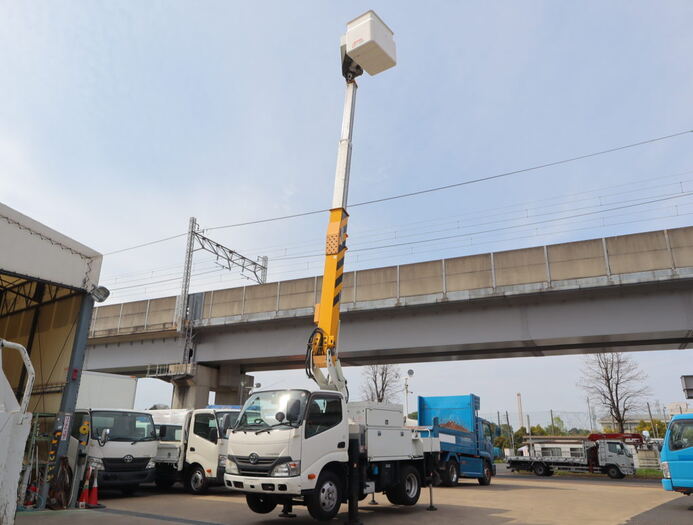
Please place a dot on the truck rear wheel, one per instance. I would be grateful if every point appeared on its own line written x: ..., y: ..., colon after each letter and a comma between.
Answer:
x: 408, y: 490
x: 450, y: 474
x: 260, y: 504
x: 488, y: 473
x: 540, y: 469
x: 324, y: 503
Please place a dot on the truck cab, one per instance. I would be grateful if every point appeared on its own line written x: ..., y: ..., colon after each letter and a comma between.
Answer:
x: 283, y: 441
x: 192, y: 446
x: 614, y: 454
x: 121, y: 446
x: 677, y: 455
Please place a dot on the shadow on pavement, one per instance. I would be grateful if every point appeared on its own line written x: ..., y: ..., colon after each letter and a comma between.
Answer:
x: 675, y: 512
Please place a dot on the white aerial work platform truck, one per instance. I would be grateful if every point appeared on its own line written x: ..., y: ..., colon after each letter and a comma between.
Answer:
x: 315, y: 448
x: 192, y: 446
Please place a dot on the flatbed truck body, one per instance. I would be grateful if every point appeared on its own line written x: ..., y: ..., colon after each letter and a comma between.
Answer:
x: 603, y: 456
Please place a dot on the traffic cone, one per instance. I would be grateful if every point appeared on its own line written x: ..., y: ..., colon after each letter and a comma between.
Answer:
x: 84, y: 495
x: 93, y: 502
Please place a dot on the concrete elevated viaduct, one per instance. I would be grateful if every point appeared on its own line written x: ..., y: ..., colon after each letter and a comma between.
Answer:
x: 632, y: 292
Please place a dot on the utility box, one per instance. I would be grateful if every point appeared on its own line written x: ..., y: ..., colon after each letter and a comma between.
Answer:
x: 370, y: 43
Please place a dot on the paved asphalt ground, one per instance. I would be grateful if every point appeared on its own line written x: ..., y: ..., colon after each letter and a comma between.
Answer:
x: 510, y: 499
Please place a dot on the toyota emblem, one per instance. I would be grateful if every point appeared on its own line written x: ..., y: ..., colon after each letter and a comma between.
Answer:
x: 253, y: 458
x: 128, y: 459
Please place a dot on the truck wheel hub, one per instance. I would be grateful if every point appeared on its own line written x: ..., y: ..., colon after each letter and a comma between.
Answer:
x: 328, y: 496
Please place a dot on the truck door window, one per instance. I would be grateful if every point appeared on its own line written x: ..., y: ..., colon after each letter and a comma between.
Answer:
x: 203, y: 425
x: 324, y: 413
x: 615, y: 448
x: 681, y: 434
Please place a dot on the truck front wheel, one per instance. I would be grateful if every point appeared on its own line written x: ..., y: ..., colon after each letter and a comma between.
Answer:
x: 324, y: 503
x: 260, y: 504
x: 196, y: 482
x: 407, y: 491
x: 450, y: 474
x: 486, y: 478
x: 614, y: 472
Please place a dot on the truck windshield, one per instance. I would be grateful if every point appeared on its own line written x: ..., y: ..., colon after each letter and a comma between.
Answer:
x: 226, y: 420
x: 123, y: 426
x: 681, y: 434
x: 272, y: 408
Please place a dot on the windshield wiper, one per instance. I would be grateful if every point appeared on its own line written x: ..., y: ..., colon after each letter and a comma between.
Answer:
x: 137, y: 440
x: 269, y: 428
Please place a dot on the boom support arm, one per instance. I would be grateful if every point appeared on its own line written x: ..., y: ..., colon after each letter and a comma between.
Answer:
x: 322, y: 345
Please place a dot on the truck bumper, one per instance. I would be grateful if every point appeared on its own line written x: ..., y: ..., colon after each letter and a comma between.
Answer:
x: 264, y: 485
x: 122, y: 479
x: 667, y: 485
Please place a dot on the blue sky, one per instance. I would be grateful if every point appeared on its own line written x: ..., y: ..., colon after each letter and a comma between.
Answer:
x: 129, y: 117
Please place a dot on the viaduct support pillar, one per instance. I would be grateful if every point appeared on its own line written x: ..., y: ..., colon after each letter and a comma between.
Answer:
x: 233, y: 386
x: 193, y: 392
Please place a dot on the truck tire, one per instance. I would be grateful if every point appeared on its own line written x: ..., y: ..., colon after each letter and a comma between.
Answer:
x: 450, y: 475
x: 324, y: 503
x: 260, y: 504
x: 408, y: 489
x: 488, y: 474
x: 196, y: 480
x: 540, y: 469
x: 614, y: 472
x: 164, y: 483
x: 129, y: 490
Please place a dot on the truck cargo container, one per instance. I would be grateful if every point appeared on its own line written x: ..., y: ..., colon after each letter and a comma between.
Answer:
x: 466, y: 440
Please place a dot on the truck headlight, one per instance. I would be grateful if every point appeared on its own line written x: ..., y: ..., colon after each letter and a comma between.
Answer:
x: 665, y: 470
x: 286, y: 470
x: 222, y: 461
x: 96, y: 463
x: 231, y: 467
x: 151, y: 463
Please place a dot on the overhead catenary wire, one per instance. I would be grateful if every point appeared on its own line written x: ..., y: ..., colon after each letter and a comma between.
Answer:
x: 424, y: 191
x: 470, y: 235
x: 555, y: 201
x: 359, y: 260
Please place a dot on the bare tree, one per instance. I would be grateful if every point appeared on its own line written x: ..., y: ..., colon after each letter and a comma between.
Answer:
x: 381, y: 383
x: 615, y: 382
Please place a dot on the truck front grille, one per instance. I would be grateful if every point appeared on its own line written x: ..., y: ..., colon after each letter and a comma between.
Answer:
x: 261, y: 468
x: 119, y: 465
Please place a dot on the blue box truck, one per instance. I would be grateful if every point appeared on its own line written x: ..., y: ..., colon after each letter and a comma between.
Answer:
x: 466, y: 440
x: 677, y: 455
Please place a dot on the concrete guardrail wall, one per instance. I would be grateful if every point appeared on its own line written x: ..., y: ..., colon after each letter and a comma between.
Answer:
x: 626, y: 254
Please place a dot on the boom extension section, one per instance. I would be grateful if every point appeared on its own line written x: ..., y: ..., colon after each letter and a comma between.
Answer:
x: 322, y: 352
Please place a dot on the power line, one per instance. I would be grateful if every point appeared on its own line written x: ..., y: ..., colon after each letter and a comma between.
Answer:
x: 422, y: 192
x: 677, y: 196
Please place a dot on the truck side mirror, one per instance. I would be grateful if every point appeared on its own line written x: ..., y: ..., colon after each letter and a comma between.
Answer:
x: 103, y: 439
x: 214, y: 435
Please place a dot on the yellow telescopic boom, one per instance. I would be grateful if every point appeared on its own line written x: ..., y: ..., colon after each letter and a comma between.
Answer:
x: 322, y: 345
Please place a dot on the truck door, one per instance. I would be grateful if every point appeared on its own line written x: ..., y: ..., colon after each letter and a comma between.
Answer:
x: 326, y: 433
x: 616, y: 454
x: 679, y: 452
x: 202, y: 442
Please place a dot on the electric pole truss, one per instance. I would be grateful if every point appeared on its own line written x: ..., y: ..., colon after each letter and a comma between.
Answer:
x: 225, y: 258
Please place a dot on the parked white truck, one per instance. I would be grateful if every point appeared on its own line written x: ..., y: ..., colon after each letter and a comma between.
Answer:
x: 192, y: 446
x: 122, y: 441
x: 292, y: 447
x: 121, y: 446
